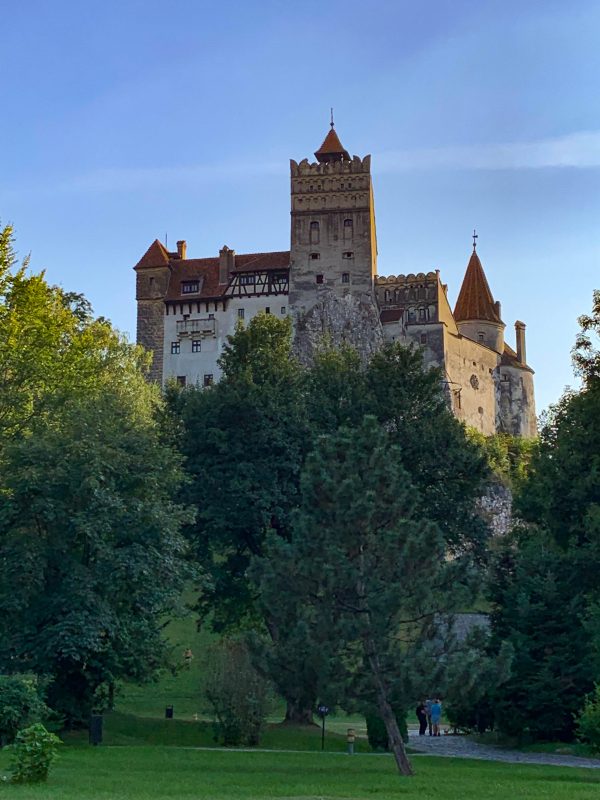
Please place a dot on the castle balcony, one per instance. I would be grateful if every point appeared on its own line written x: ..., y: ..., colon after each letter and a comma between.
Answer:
x: 203, y: 327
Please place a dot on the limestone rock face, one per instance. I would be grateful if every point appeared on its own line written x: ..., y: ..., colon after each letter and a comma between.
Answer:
x: 495, y: 506
x: 338, y: 321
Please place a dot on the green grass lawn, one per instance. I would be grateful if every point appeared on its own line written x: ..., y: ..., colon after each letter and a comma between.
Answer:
x: 145, y: 773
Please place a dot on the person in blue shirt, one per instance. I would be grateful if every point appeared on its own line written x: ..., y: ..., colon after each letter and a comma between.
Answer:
x: 436, y: 716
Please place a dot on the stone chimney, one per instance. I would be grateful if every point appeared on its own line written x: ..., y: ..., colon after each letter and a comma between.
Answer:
x: 520, y: 336
x: 226, y: 263
x: 181, y: 249
x: 498, y: 309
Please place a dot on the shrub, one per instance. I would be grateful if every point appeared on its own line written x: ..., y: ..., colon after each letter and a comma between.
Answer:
x: 236, y: 693
x: 20, y: 705
x: 588, y: 723
x: 377, y: 733
x: 34, y: 751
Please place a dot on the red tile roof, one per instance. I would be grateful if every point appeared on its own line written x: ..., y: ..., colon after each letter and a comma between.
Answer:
x: 331, y: 147
x: 206, y: 271
x: 475, y: 300
x: 250, y: 262
x: 155, y: 256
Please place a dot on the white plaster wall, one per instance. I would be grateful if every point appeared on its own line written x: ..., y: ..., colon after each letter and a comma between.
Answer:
x: 194, y: 366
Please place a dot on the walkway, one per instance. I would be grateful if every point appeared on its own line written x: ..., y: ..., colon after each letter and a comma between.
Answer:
x: 466, y: 747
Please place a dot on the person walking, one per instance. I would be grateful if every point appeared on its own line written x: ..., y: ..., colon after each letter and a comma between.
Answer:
x: 436, y: 716
x: 428, y: 704
x: 422, y: 717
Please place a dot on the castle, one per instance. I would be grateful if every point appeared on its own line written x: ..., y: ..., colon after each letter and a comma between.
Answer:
x: 328, y: 283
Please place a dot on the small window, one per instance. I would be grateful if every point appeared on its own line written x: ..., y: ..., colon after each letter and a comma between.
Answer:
x: 175, y: 348
x: 319, y: 279
x: 283, y: 311
x: 190, y: 287
x: 315, y: 233
x: 315, y: 256
x: 196, y: 345
x: 423, y: 338
x: 208, y: 380
x: 211, y: 316
x: 247, y: 280
x: 348, y: 254
x: 347, y: 223
x: 181, y: 380
x: 348, y: 229
x: 481, y: 336
x: 422, y: 314
x: 241, y: 313
x: 345, y: 277
x: 268, y: 310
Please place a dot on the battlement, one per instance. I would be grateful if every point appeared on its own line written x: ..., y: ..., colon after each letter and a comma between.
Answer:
x: 410, y: 278
x: 355, y: 166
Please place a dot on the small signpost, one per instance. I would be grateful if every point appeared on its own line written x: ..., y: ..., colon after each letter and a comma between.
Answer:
x: 322, y: 711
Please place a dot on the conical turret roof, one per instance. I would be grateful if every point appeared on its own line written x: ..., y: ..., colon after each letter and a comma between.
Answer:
x: 475, y: 300
x: 332, y: 149
x: 155, y: 256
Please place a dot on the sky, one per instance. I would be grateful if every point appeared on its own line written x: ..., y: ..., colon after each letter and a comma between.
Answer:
x: 129, y: 121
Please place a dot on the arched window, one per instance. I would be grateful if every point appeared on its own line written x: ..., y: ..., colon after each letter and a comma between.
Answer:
x: 387, y: 295
x: 315, y: 233
x: 348, y: 227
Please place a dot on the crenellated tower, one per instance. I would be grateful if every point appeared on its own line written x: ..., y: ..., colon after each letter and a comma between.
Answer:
x: 333, y: 254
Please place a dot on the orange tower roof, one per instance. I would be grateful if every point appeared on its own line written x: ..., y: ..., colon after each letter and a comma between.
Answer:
x: 155, y: 256
x: 475, y: 300
x: 332, y: 149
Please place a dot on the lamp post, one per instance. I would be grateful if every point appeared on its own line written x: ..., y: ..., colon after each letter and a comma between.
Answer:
x: 322, y: 711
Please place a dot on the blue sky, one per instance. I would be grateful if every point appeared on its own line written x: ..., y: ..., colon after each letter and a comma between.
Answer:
x: 127, y: 121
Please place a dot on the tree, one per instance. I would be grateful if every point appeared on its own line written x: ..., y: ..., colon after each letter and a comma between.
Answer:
x: 90, y: 545
x: 365, y: 568
x: 545, y: 586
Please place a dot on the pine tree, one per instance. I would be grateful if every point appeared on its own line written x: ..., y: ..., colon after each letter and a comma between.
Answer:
x: 366, y: 571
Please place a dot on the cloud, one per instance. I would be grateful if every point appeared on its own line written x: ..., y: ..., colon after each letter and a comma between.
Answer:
x: 580, y: 150
x: 133, y: 178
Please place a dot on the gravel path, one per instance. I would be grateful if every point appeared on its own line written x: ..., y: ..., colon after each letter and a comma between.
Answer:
x: 466, y: 747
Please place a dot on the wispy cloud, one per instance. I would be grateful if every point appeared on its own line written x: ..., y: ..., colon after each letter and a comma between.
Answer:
x: 577, y: 150
x: 134, y: 178
x: 580, y: 150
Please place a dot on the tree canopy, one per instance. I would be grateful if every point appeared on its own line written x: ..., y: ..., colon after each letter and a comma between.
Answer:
x: 90, y: 542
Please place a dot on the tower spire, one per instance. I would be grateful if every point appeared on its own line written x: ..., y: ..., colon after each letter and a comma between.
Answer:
x: 475, y: 237
x: 331, y: 123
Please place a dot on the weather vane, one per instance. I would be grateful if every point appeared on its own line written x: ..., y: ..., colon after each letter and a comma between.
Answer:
x: 331, y: 123
x: 475, y: 237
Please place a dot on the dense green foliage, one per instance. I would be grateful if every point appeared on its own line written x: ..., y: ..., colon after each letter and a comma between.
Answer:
x: 21, y: 704
x: 237, y: 695
x: 509, y: 457
x: 33, y: 753
x: 365, y: 572
x: 90, y: 547
x: 588, y: 723
x: 246, y: 440
x: 545, y: 581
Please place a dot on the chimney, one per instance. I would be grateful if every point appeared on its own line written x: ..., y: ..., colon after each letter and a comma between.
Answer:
x: 520, y: 335
x: 498, y: 309
x: 181, y: 249
x: 226, y: 263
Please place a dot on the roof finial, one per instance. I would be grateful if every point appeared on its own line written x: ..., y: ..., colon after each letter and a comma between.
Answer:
x: 331, y: 123
x: 475, y: 237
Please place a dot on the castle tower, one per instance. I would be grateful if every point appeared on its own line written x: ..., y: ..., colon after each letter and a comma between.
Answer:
x: 333, y: 254
x: 153, y: 272
x: 476, y: 313
x: 333, y: 240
